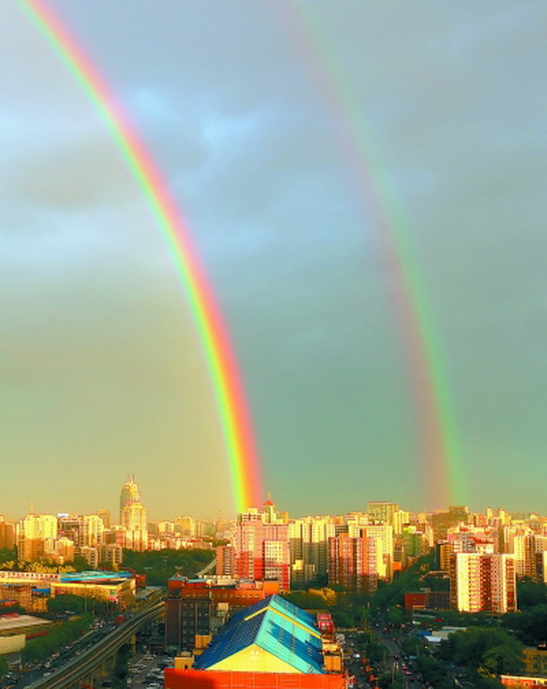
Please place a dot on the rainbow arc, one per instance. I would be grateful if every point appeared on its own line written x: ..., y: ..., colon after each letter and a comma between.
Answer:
x: 226, y: 381
x: 434, y: 415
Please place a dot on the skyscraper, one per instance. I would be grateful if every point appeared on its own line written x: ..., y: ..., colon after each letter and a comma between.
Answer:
x: 133, y: 516
x: 130, y: 493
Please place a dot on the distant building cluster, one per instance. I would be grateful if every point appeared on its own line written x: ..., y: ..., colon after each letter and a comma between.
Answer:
x: 481, y: 555
x: 62, y: 537
x: 354, y: 551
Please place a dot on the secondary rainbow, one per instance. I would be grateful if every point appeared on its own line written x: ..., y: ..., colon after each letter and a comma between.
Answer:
x: 226, y: 382
x: 435, y: 418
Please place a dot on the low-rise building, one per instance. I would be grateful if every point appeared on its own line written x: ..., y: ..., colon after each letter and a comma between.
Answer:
x: 272, y: 644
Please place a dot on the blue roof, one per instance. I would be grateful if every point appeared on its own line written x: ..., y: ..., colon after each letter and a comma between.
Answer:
x: 278, y: 627
x: 93, y: 575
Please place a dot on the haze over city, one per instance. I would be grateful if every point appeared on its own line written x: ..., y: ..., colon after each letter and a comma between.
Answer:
x: 295, y: 137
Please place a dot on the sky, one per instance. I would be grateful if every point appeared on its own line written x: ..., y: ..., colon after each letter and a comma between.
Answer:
x: 365, y: 185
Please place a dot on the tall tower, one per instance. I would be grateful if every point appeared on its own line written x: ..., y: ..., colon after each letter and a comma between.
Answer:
x: 130, y: 492
x: 133, y: 516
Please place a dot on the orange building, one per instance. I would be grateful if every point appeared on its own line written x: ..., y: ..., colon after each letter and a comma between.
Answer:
x: 238, y: 595
x: 271, y: 645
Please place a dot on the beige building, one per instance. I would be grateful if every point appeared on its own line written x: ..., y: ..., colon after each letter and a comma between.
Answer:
x: 483, y: 583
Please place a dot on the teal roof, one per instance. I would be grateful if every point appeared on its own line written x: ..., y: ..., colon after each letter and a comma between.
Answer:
x: 275, y: 625
x: 93, y: 576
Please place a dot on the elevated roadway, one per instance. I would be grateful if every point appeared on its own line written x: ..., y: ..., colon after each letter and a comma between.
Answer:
x: 87, y: 663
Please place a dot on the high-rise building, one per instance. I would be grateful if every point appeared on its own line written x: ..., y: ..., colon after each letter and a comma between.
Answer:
x: 133, y: 516
x: 33, y: 533
x: 187, y: 525
x: 130, y: 492
x: 384, y: 534
x: 262, y: 546
x: 7, y: 535
x: 38, y: 526
x: 83, y: 529
x: 481, y: 582
x: 355, y: 562
x: 105, y: 516
x: 226, y: 563
x: 309, y: 546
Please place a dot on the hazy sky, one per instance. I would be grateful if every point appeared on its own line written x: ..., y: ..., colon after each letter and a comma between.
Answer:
x: 289, y: 132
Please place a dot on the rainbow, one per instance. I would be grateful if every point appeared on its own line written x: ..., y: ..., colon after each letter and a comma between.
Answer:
x: 227, y: 386
x: 432, y: 404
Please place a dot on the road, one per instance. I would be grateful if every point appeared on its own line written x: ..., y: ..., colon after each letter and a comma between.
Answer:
x: 96, y: 654
x: 396, y: 662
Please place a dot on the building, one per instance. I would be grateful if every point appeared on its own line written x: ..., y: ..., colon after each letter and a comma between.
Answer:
x: 541, y: 566
x: 309, y: 548
x: 196, y: 606
x: 262, y: 546
x: 33, y: 532
x: 225, y: 560
x: 535, y: 661
x: 382, y: 512
x: 15, y: 629
x: 114, y: 587
x: 427, y: 600
x: 347, y: 562
x: 7, y: 535
x: 64, y: 549
x: 130, y: 492
x: 186, y: 618
x: 523, y: 682
x: 26, y: 596
x: 357, y: 562
x: 105, y: 516
x: 480, y: 582
x: 272, y: 644
x: 133, y: 516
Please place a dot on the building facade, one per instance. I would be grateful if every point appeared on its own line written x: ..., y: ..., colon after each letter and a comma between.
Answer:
x: 480, y: 582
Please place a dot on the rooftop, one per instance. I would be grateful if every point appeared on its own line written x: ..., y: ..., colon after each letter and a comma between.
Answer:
x: 277, y: 627
x: 9, y: 623
x: 94, y: 575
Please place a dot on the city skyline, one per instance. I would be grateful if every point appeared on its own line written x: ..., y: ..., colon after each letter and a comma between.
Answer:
x: 365, y: 191
x: 114, y: 508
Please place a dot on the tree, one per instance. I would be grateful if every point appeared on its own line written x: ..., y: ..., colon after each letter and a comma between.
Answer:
x: 391, y: 681
x: 530, y: 626
x: 395, y: 616
x: 531, y: 593
x: 490, y: 650
x: 160, y: 565
x: 502, y: 659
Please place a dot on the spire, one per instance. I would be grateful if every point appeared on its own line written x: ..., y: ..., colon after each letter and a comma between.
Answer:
x: 269, y: 502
